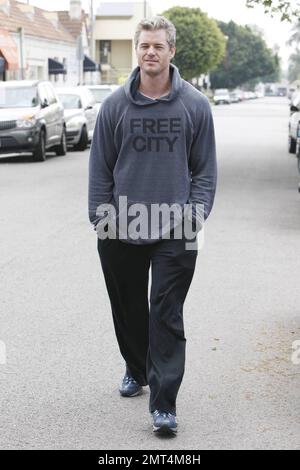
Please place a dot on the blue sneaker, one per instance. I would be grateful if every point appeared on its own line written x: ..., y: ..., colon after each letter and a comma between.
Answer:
x: 164, y: 423
x: 130, y: 387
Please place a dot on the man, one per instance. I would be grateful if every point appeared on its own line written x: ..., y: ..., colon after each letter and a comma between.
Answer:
x: 153, y: 143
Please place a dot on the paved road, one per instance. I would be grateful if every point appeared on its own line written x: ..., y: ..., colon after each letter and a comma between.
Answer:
x: 240, y: 390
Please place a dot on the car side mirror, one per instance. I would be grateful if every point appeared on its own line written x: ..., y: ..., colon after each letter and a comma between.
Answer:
x: 45, y: 103
x: 294, y: 108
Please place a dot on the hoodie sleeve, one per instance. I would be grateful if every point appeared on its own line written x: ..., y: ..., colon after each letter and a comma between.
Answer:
x: 103, y: 156
x: 203, y: 164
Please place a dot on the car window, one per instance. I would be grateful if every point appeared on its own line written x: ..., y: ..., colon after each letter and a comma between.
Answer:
x: 51, y: 94
x: 18, y: 97
x: 87, y: 98
x: 43, y: 93
x: 70, y: 101
x: 90, y: 97
x: 221, y: 91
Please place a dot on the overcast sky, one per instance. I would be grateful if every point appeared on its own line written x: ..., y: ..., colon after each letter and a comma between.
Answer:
x: 276, y: 32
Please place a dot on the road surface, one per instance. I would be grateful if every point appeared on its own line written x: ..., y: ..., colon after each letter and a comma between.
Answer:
x: 59, y: 385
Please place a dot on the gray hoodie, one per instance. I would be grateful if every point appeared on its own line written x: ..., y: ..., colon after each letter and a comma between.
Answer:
x: 152, y: 151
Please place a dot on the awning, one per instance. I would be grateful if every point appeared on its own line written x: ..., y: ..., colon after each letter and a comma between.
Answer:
x: 2, y: 65
x: 55, y: 67
x: 89, y: 65
x: 9, y: 50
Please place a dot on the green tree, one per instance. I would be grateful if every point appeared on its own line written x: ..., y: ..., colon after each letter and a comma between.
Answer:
x: 287, y: 10
x: 294, y: 39
x: 294, y: 58
x: 200, y: 45
x: 294, y: 66
x: 247, y: 57
x: 277, y: 74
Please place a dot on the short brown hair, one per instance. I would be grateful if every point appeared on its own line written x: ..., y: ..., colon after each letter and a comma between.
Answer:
x: 154, y: 24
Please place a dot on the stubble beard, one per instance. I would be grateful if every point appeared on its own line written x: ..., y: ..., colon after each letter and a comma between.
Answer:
x: 151, y: 73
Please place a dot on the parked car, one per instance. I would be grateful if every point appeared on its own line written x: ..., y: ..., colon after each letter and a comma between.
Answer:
x: 294, y: 130
x: 282, y: 91
x: 239, y: 93
x: 294, y: 124
x: 221, y: 96
x: 292, y: 90
x: 100, y: 92
x: 80, y: 113
x: 234, y: 97
x: 31, y: 119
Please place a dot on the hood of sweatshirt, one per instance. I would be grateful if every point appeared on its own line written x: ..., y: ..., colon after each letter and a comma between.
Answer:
x: 132, y: 84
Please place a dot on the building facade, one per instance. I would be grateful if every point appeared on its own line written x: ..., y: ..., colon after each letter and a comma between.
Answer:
x: 67, y: 47
x: 39, y: 44
x: 78, y: 24
x: 114, y: 28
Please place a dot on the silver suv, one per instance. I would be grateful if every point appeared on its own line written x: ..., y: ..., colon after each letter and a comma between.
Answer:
x: 31, y: 119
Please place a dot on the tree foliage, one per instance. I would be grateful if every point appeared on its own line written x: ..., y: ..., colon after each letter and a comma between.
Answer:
x: 294, y: 66
x: 286, y: 10
x: 294, y: 39
x: 200, y: 45
x: 247, y: 57
x: 294, y: 58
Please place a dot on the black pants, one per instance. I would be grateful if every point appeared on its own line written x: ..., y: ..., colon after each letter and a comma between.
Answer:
x: 151, y: 341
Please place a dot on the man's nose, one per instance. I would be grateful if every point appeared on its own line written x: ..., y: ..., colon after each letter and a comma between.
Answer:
x: 151, y: 50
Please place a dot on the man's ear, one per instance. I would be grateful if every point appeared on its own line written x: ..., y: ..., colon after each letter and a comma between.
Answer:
x: 172, y: 52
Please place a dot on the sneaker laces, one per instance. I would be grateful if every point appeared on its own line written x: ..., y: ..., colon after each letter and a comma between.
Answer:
x: 128, y: 379
x: 164, y: 414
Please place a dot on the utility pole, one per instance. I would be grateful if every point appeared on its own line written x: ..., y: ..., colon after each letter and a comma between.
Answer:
x: 92, y: 45
x: 79, y: 55
x: 21, y: 33
x: 145, y: 9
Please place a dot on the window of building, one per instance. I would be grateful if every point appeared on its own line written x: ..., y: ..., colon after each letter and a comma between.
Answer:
x: 105, y: 51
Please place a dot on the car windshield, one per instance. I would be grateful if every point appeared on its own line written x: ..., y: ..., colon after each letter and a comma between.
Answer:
x: 100, y: 93
x: 221, y: 92
x: 18, y: 97
x: 70, y: 101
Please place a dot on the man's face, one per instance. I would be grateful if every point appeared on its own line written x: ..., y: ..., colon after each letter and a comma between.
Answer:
x: 153, y: 52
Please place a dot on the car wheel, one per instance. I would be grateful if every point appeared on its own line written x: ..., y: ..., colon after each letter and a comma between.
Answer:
x: 61, y: 149
x: 292, y: 145
x: 39, y: 153
x: 83, y: 141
